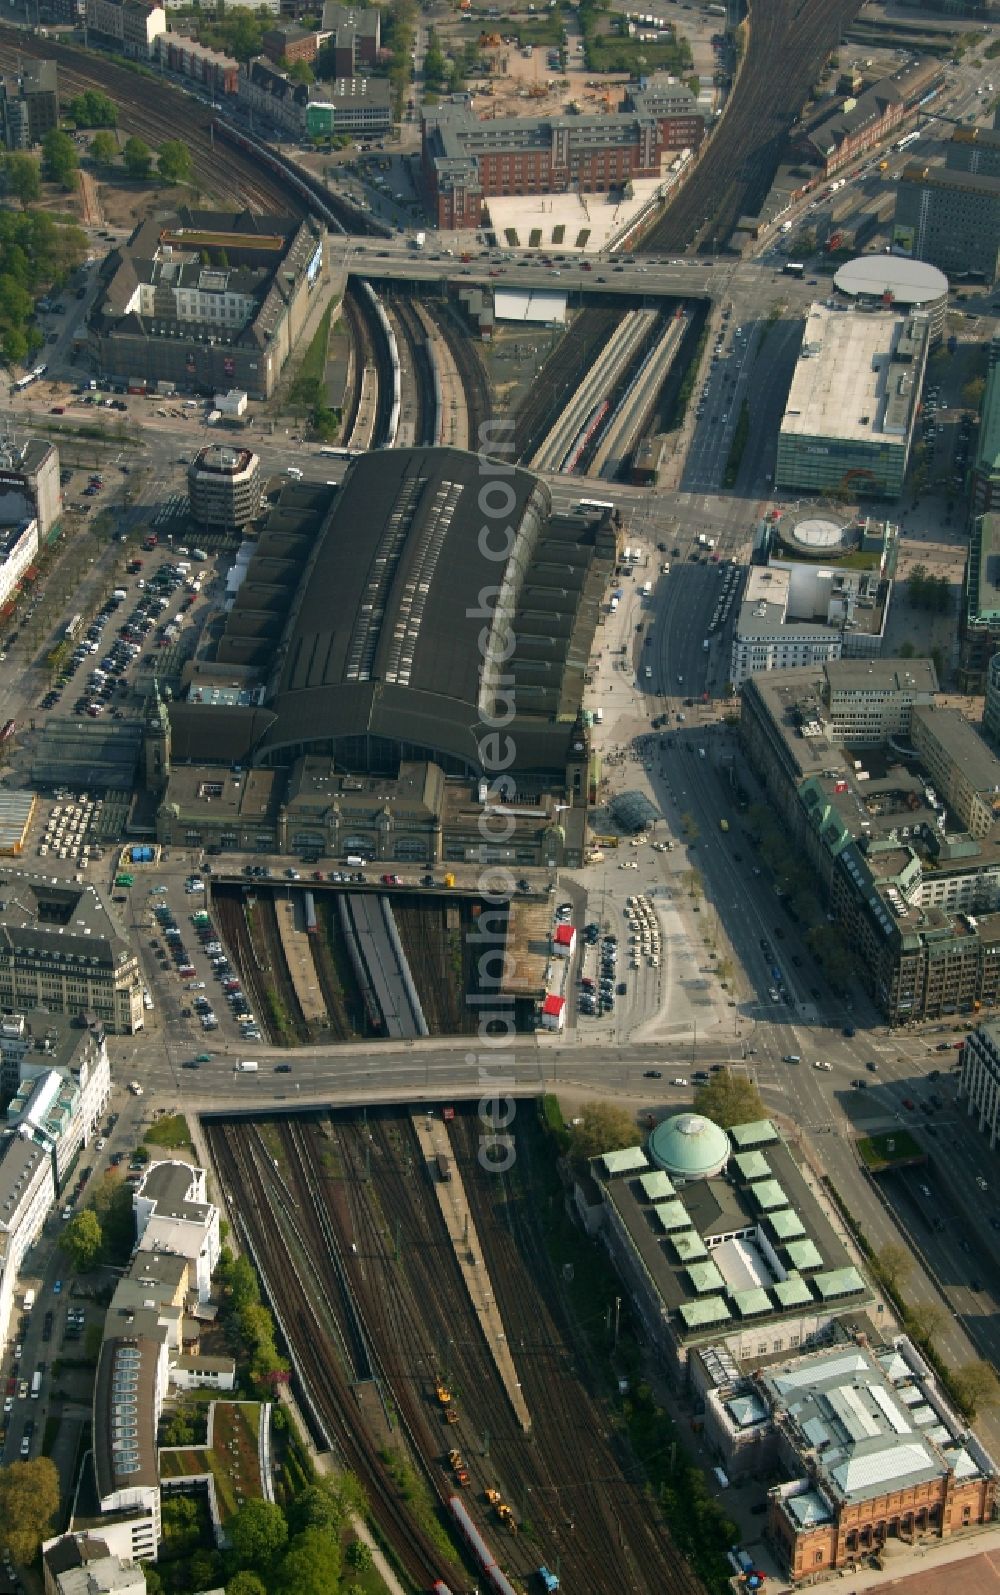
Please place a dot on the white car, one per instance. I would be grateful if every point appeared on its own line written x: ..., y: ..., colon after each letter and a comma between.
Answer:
x: 101, y: 1143
x: 679, y: 1081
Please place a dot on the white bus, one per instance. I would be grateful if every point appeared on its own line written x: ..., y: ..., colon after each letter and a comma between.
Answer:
x: 29, y: 378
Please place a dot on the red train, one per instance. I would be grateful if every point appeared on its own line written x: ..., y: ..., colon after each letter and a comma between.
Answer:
x: 495, y: 1577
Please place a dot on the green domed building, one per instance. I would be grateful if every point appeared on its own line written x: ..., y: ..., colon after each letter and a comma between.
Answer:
x: 689, y: 1147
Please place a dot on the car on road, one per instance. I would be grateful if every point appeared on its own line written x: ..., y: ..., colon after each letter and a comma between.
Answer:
x: 821, y: 1064
x: 909, y: 1104
x: 681, y: 1080
x: 871, y: 1066
x: 981, y: 1183
x: 847, y: 1030
x: 652, y: 1074
x: 282, y: 1068
x: 56, y: 1287
x: 860, y: 1085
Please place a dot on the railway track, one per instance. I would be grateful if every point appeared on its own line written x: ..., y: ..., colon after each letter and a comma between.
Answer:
x: 156, y: 112
x: 272, y: 958
x: 423, y: 424
x: 328, y: 1394
x: 787, y: 42
x: 561, y: 374
x: 362, y: 359
x: 475, y: 383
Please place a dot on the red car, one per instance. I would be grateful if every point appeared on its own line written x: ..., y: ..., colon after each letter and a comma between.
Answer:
x: 391, y: 880
x: 908, y: 1102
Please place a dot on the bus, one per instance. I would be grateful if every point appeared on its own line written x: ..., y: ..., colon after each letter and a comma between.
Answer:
x: 73, y: 627
x: 794, y: 268
x: 36, y: 1385
x: 342, y: 454
x: 911, y: 138
x: 594, y: 504
x: 29, y: 377
x: 124, y: 880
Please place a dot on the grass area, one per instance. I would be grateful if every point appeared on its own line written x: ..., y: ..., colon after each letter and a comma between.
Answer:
x: 231, y: 1459
x: 310, y: 375
x: 414, y: 1490
x: 889, y: 1150
x: 171, y: 1131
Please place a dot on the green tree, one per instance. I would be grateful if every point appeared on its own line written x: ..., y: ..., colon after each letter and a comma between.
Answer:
x: 894, y: 1265
x: 976, y: 1386
x: 174, y: 162
x: 154, y: 1583
x: 257, y: 1533
x: 23, y: 178
x: 82, y: 1240
x: 93, y: 109
x: 59, y: 162
x: 104, y: 149
x: 729, y: 1099
x: 316, y: 1507
x: 603, y: 1127
x: 924, y: 1322
x: 246, y: 1583
x: 358, y: 1556
x: 311, y: 1565
x: 239, y: 1282
x: 972, y: 392
x: 203, y: 1569
x: 111, y: 1200
x: 29, y: 1499
x: 301, y: 72
x: 138, y: 158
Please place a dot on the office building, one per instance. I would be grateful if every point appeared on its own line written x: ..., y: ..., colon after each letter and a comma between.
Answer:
x: 888, y: 282
x: 915, y: 894
x: 974, y: 149
x: 950, y: 218
x: 57, y: 1075
x: 351, y: 105
x: 27, y: 1192
x: 852, y: 406
x: 354, y: 35
x: 287, y: 43
x: 979, y: 616
x: 82, y: 1564
x: 720, y: 1240
x: 29, y: 104
x: 874, y: 1453
x: 823, y: 594
x: 991, y: 706
x: 132, y: 25
x: 966, y: 775
x: 62, y: 949
x: 224, y: 487
x: 466, y: 160
x: 29, y: 484
x: 986, y: 467
x: 166, y: 315
x: 219, y: 73
x: 979, y: 1079
x: 173, y: 1215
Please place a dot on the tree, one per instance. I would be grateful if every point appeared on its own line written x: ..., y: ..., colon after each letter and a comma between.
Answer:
x: 23, y: 179
x: 257, y: 1533
x: 301, y: 72
x: 246, y: 1583
x: 82, y: 1239
x: 358, y: 1556
x: 976, y: 1386
x: 174, y: 162
x: 59, y: 162
x: 93, y: 109
x: 311, y: 1565
x: 604, y: 1127
x: 972, y: 392
x: 894, y: 1265
x: 316, y: 1507
x: 29, y: 1499
x: 138, y: 158
x: 729, y: 1099
x: 238, y: 1281
x: 922, y: 1323
x: 104, y: 149
x: 111, y: 1200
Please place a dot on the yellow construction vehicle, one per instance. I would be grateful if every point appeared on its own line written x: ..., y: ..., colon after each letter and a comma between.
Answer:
x: 444, y: 1395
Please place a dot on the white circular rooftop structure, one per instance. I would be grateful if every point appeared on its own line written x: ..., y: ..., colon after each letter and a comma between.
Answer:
x: 819, y: 534
x: 908, y: 282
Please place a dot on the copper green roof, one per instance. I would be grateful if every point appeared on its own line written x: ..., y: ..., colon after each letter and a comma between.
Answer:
x: 689, y: 1146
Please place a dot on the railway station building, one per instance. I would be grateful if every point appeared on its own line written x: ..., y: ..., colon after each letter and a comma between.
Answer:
x: 852, y: 407
x: 721, y: 1241
x: 374, y: 651
x: 209, y: 300
x: 466, y: 160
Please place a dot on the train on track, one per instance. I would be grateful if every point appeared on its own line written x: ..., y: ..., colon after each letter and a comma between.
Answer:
x: 495, y: 1576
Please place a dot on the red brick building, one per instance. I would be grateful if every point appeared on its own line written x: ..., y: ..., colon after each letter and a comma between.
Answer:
x: 290, y: 43
x: 466, y: 160
x: 218, y: 72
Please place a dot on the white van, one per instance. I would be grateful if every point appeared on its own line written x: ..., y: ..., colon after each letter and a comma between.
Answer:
x: 293, y: 471
x: 247, y: 1066
x: 598, y: 717
x: 647, y: 589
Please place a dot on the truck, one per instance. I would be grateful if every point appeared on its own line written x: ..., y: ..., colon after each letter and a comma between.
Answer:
x: 723, y: 825
x: 36, y: 1386
x: 418, y: 240
x: 29, y: 1300
x: 702, y: 540
x: 247, y: 1066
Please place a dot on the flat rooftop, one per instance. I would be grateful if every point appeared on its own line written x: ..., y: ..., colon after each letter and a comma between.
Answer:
x: 963, y: 744
x: 857, y: 377
x: 984, y: 549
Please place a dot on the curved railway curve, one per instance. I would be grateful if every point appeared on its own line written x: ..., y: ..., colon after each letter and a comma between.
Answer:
x: 787, y: 42
x: 157, y: 111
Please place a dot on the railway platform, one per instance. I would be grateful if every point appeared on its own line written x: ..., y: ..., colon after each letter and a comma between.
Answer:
x: 298, y: 957
x: 434, y: 1141
x: 528, y: 951
x: 453, y: 421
